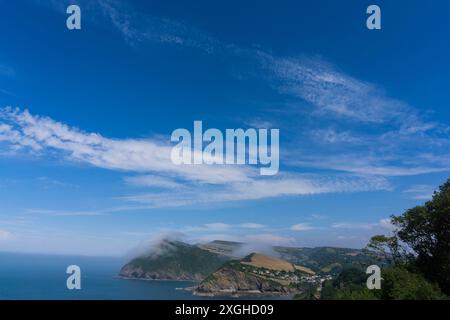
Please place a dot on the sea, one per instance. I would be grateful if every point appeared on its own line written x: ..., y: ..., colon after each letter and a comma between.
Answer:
x: 44, y: 277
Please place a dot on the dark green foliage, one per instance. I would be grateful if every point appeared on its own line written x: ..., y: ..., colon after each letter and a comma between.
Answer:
x: 398, y: 284
x: 349, y: 285
x: 350, y: 277
x: 426, y: 230
x: 420, y: 251
x: 389, y: 248
x: 401, y: 284
x: 308, y: 292
x: 329, y: 260
x: 179, y: 258
x: 328, y: 291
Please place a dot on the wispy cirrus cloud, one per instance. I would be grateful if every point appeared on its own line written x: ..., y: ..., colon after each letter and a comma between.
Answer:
x: 302, y: 227
x: 137, y: 27
x: 154, y: 181
x: 251, y: 225
x: 270, y: 239
x: 420, y: 191
x: 333, y: 136
x: 5, y: 235
x: 223, y: 227
x: 372, y: 133
x: 23, y: 132
x: 259, y: 242
x: 352, y: 225
x: 364, y: 159
x: 333, y: 92
x: 217, y: 226
x: 314, y: 80
x: 360, y: 163
x: 383, y: 224
x: 65, y: 213
x: 257, y: 189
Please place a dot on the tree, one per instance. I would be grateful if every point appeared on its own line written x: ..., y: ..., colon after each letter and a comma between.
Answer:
x: 420, y: 251
x: 426, y: 230
x: 401, y: 284
x: 388, y: 248
x: 349, y: 285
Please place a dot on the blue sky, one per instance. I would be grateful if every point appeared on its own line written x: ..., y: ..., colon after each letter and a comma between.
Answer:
x: 86, y: 118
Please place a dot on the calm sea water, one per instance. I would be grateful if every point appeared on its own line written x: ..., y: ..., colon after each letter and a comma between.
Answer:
x: 28, y: 276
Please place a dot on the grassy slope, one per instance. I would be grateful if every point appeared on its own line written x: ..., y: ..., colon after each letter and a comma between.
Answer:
x: 179, y: 258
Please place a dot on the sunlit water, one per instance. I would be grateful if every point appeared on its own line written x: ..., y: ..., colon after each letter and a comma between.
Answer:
x: 27, y: 276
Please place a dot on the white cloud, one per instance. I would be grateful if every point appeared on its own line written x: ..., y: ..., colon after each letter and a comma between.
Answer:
x: 270, y: 239
x: 24, y: 132
x: 217, y: 226
x: 7, y: 133
x: 352, y: 225
x: 225, y: 226
x: 221, y: 226
x: 251, y: 225
x: 332, y: 92
x: 318, y: 216
x: 336, y: 93
x: 136, y: 27
x: 5, y: 235
x: 217, y: 236
x: 331, y: 135
x: 66, y: 213
x: 420, y: 191
x: 154, y: 181
x: 346, y: 237
x: 256, y: 189
x: 370, y: 165
x: 302, y: 227
x: 386, y: 224
x: 260, y: 123
x: 383, y: 224
x: 372, y: 133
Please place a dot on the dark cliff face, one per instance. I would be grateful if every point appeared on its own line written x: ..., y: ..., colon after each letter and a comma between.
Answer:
x: 174, y: 260
x: 135, y: 272
x: 229, y: 280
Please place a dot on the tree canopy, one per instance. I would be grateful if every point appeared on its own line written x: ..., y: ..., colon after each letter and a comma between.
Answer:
x: 426, y: 231
x: 418, y: 251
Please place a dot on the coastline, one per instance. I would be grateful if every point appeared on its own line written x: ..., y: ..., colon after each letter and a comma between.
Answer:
x: 150, y: 279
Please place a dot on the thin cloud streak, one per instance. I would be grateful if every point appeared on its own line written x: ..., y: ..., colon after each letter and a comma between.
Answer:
x: 420, y: 191
x: 262, y: 189
x: 302, y: 227
x: 370, y: 165
x: 24, y: 132
x: 382, y: 224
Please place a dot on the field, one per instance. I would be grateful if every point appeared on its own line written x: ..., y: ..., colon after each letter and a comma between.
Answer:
x: 262, y: 261
x: 304, y: 269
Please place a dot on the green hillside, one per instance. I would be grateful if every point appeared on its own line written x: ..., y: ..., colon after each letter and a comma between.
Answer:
x: 174, y: 260
x: 329, y: 260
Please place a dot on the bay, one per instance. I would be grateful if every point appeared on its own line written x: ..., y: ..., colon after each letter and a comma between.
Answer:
x: 33, y: 276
